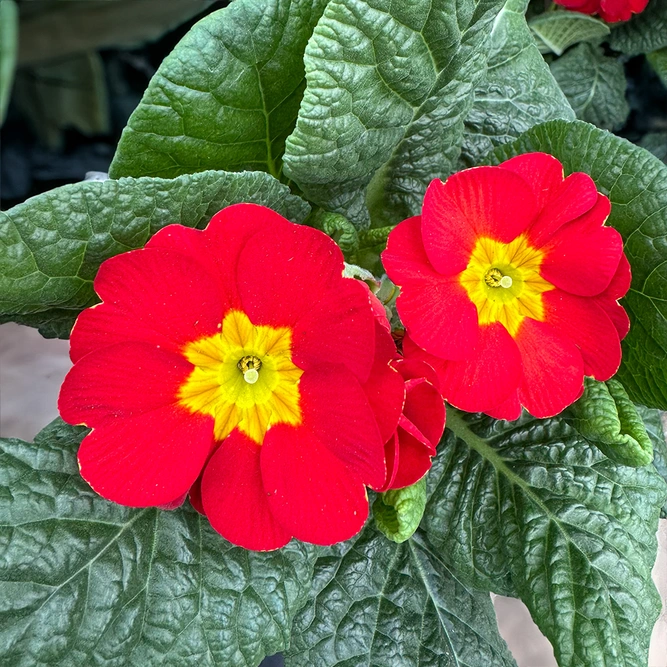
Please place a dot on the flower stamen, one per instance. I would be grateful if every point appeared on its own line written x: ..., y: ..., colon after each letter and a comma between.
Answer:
x: 249, y: 366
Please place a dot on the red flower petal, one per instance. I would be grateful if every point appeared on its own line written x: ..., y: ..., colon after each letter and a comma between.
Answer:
x: 338, y: 330
x: 414, y: 461
x: 582, y: 256
x: 146, y: 459
x: 618, y: 288
x: 576, y: 196
x: 219, y: 246
x: 122, y: 381
x: 336, y: 410
x: 479, y: 202
x: 311, y: 492
x: 235, y: 499
x: 413, y: 369
x: 509, y: 409
x: 405, y: 259
x: 425, y: 410
x: 553, y: 369
x: 587, y: 325
x: 155, y: 296
x: 283, y: 272
x: 542, y: 172
x: 385, y: 390
x: 487, y: 377
x: 440, y: 317
x: 392, y: 453
x: 435, y: 309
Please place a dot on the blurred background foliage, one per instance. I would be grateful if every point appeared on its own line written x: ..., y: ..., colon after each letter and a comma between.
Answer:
x: 71, y: 72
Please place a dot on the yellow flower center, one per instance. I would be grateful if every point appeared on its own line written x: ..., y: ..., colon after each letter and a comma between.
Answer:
x: 503, y: 281
x: 244, y: 377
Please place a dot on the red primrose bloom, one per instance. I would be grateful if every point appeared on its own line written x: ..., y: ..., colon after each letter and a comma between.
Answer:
x: 510, y: 283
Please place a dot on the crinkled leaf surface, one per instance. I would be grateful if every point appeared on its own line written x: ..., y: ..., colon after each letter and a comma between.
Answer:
x: 85, y: 582
x: 656, y: 431
x: 517, y: 92
x: 607, y: 418
x: 226, y: 97
x: 594, y: 85
x: 52, y: 245
x: 635, y: 181
x: 658, y: 60
x: 379, y: 604
x: 385, y: 80
x: 558, y: 30
x: 398, y: 512
x: 530, y: 508
x: 644, y: 32
x: 656, y: 143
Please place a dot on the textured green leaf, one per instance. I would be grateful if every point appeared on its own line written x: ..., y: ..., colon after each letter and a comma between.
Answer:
x: 226, y: 97
x: 656, y: 143
x: 379, y: 604
x: 658, y: 60
x: 85, y: 582
x: 52, y: 245
x: 644, y: 32
x: 533, y: 509
x: 416, y: 63
x: 517, y: 92
x: 606, y: 417
x: 556, y: 31
x: 594, y: 85
x: 9, y: 23
x: 635, y: 181
x: 398, y: 512
x: 655, y: 428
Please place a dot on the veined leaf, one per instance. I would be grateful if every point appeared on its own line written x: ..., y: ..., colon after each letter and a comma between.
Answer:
x: 226, y: 97
x: 558, y: 30
x: 385, y: 80
x: 398, y: 512
x: 530, y: 508
x: 85, y: 582
x: 381, y: 604
x: 517, y: 92
x: 644, y: 32
x: 656, y: 431
x: 52, y: 245
x: 594, y: 85
x: 606, y: 417
x: 658, y: 60
x: 634, y: 181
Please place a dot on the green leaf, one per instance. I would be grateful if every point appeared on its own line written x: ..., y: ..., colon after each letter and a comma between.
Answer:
x: 85, y: 582
x: 52, y: 245
x: 558, y: 30
x: 656, y: 143
x: 644, y: 32
x: 416, y: 62
x: 533, y: 509
x: 9, y: 24
x: 68, y: 93
x: 517, y: 92
x: 226, y: 97
x: 607, y: 418
x: 658, y: 60
x: 594, y: 85
x: 398, y: 512
x: 633, y: 179
x: 381, y: 604
x: 655, y: 428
